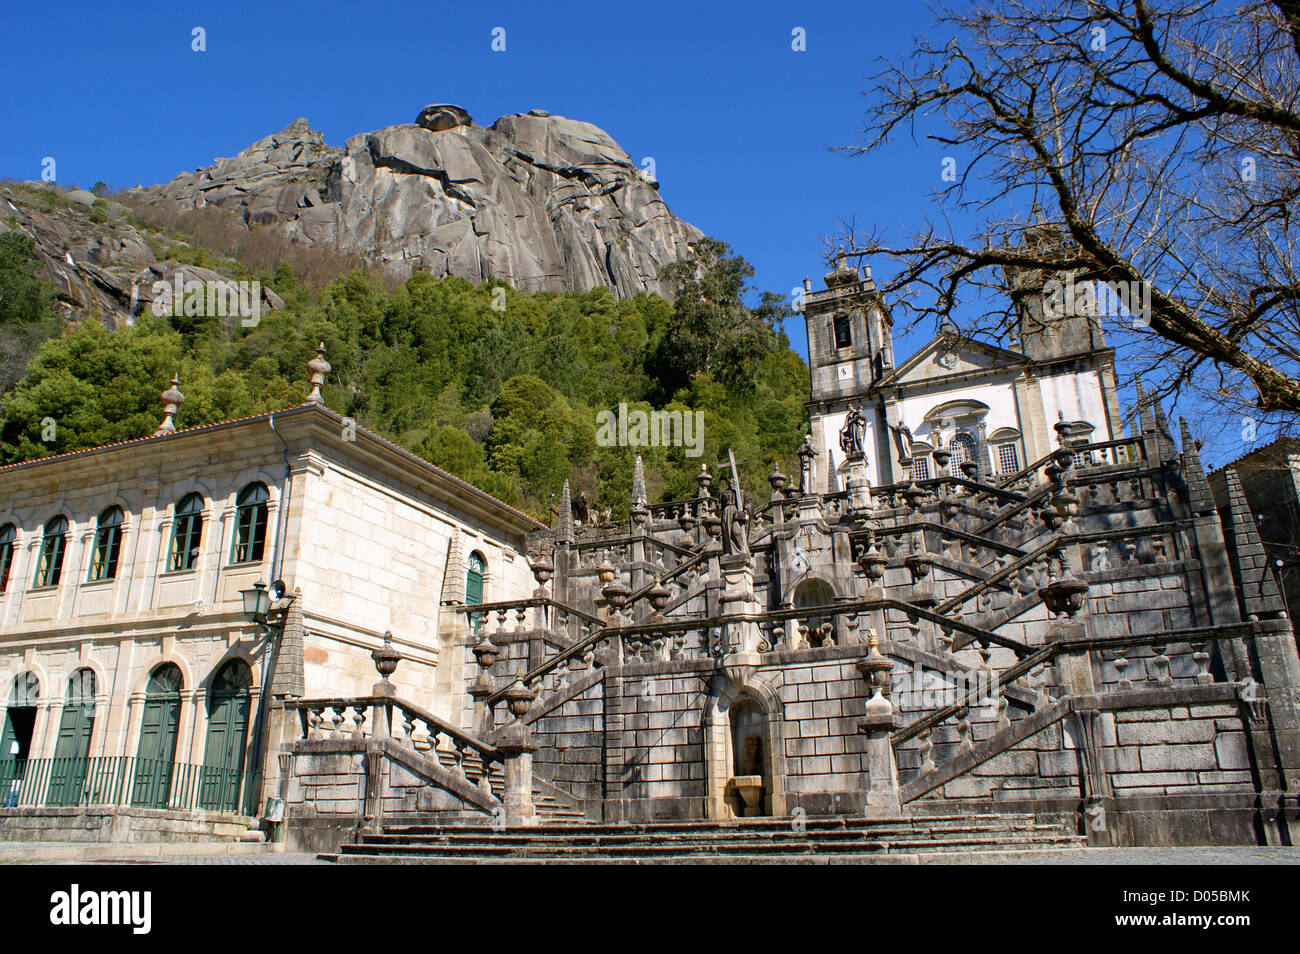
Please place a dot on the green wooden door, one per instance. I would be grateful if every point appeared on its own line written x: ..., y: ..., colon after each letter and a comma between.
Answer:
x: 157, y: 750
x: 8, y: 762
x: 19, y: 722
x: 223, y: 756
x: 71, y: 754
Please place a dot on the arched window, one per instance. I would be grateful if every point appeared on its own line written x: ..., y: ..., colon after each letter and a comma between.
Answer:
x: 474, y: 587
x: 963, y: 448
x: 54, y: 541
x: 72, y: 750
x: 187, y: 533
x: 223, y: 756
x: 843, y: 331
x: 7, y: 545
x: 162, y: 714
x: 108, y: 541
x: 250, y: 524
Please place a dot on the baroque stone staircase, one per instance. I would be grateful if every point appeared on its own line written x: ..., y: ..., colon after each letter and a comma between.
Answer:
x: 842, y: 840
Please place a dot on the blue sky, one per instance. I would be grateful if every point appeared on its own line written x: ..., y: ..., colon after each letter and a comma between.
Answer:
x: 738, y: 123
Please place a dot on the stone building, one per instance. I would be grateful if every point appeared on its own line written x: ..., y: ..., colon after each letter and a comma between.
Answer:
x: 1270, y: 479
x: 137, y: 692
x: 980, y: 608
x: 979, y: 599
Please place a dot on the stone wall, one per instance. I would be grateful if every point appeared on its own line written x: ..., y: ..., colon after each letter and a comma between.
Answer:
x: 120, y: 824
x: 333, y: 788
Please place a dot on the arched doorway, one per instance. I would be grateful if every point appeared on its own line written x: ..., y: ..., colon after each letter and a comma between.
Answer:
x: 16, y: 736
x: 157, y: 749
x: 72, y: 750
x: 223, y: 756
x: 815, y: 592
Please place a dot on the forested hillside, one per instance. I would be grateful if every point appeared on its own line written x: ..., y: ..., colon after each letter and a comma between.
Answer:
x: 500, y: 387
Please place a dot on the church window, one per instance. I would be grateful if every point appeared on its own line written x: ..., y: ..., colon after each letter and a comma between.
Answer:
x: 1008, y: 459
x: 843, y: 333
x: 921, y: 468
x: 963, y: 448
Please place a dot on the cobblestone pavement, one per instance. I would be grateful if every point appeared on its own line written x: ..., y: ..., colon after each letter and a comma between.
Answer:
x: 1229, y: 855
x: 1208, y: 855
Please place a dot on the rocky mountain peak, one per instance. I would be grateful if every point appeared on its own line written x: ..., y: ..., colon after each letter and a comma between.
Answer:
x: 544, y: 202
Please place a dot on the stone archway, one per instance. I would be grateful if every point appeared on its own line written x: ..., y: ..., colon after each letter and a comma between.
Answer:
x: 736, y: 714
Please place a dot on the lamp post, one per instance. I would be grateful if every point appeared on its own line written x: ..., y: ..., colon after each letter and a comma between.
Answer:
x: 258, y: 603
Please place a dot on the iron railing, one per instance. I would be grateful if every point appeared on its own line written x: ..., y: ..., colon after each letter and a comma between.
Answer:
x: 129, y: 781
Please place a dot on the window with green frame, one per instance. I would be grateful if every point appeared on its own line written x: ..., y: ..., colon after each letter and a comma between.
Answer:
x: 250, y: 524
x: 474, y: 587
x: 8, y: 535
x: 54, y: 541
x: 187, y: 533
x: 108, y: 543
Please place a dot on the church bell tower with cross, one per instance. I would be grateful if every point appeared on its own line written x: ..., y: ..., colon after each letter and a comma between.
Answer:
x: 850, y: 351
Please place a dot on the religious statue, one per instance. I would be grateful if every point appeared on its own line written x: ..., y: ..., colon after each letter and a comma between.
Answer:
x: 735, y: 515
x: 854, y: 432
x: 806, y: 457
x: 903, y: 433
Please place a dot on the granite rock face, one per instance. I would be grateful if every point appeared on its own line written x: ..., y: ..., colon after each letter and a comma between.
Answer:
x: 98, y: 266
x: 543, y: 202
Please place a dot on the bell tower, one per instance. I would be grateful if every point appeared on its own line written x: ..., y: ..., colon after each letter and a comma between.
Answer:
x: 850, y: 345
x: 850, y: 351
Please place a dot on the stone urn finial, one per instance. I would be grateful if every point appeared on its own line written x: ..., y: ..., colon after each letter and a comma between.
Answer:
x: 319, y: 368
x: 386, y: 659
x: 172, y: 399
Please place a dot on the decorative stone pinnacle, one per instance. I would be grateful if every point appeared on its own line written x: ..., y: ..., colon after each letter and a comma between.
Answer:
x: 172, y: 399
x: 319, y: 368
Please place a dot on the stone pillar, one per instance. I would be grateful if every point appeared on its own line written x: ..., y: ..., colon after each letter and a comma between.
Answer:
x: 517, y: 745
x: 739, y: 655
x: 45, y: 732
x: 858, y: 485
x: 185, y: 731
x: 134, y: 715
x: 881, y: 771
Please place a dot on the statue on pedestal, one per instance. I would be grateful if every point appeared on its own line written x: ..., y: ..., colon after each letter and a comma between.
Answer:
x: 854, y: 433
x: 735, y: 515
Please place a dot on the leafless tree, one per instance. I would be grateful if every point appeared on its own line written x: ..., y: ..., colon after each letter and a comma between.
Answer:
x: 1159, y: 141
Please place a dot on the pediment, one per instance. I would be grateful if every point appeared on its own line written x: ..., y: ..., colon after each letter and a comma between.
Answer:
x: 943, y: 356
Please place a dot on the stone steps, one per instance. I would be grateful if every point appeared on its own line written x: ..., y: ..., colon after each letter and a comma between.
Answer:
x: 813, y: 840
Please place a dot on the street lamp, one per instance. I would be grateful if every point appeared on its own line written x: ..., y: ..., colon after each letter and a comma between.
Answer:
x: 257, y: 603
